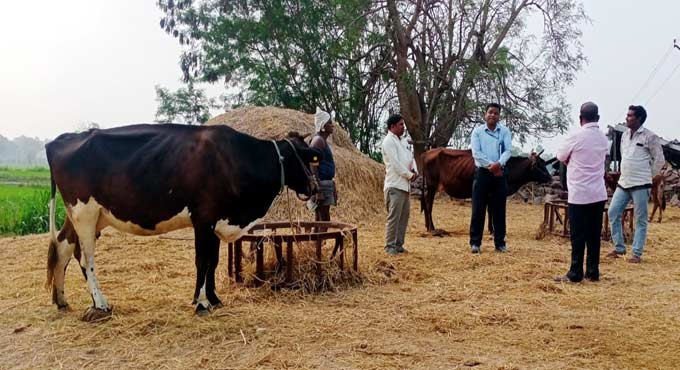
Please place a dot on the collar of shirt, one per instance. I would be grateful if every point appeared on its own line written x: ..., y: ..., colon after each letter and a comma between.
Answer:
x: 393, y: 135
x: 497, y: 129
x: 591, y: 125
x: 640, y: 130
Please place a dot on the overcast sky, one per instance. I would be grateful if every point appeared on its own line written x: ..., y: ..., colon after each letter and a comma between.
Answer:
x: 64, y: 63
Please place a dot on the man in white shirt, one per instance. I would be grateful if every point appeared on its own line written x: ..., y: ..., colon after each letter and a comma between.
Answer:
x: 641, y: 159
x: 400, y: 170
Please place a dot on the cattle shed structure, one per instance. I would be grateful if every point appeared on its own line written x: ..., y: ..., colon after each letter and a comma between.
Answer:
x: 671, y: 149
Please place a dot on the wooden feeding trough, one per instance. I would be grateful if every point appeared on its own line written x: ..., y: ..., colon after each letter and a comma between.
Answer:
x: 278, y: 234
x: 556, y: 220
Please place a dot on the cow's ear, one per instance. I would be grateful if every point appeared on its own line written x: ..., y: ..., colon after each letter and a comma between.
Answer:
x: 293, y: 135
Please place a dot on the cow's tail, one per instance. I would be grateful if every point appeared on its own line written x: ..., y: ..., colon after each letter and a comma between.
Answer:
x: 53, y: 192
x: 423, y: 184
x: 423, y: 189
x: 52, y: 256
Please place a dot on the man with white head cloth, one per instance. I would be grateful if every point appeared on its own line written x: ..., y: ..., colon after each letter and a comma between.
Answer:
x: 325, y: 171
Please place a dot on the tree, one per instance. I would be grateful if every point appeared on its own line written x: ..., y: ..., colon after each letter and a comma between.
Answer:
x: 452, y: 58
x: 186, y: 105
x: 436, y: 61
x: 297, y: 54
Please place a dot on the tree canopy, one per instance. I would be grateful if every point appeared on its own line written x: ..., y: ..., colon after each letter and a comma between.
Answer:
x: 437, y: 62
x: 186, y: 105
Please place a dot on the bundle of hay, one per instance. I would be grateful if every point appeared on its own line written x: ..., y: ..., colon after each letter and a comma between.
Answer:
x: 359, y: 178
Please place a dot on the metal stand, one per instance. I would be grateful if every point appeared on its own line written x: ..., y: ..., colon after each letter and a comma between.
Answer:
x: 315, y: 233
x: 556, y: 218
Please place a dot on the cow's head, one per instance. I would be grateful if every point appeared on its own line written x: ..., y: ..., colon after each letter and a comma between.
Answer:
x: 296, y: 164
x: 538, y: 168
x: 611, y: 179
x: 523, y: 170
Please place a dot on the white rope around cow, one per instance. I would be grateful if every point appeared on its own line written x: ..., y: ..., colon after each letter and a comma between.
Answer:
x: 288, y: 204
x: 283, y: 178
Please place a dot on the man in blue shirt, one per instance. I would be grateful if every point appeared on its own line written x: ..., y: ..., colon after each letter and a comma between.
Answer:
x: 491, y: 145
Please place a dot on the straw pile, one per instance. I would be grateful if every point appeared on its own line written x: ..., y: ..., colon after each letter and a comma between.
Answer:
x: 359, y: 179
x: 438, y: 307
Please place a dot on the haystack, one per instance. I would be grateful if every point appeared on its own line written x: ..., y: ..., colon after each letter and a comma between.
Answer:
x: 359, y: 178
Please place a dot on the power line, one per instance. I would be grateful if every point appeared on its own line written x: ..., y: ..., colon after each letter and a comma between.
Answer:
x: 676, y: 46
x: 663, y: 84
x: 654, y: 71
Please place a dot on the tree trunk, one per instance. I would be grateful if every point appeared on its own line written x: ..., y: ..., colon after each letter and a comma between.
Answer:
x: 444, y: 131
x: 410, y: 103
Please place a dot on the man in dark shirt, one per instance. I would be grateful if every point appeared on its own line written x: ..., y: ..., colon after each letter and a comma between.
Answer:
x: 325, y: 171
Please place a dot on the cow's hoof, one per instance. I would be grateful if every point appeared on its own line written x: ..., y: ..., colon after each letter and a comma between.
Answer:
x: 440, y: 232
x: 217, y: 305
x: 63, y: 307
x: 202, y: 311
x: 94, y: 314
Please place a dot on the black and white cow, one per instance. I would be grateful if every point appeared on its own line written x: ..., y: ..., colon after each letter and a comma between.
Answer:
x: 151, y: 179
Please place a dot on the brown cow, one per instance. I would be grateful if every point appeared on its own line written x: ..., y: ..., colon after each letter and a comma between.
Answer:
x: 611, y: 179
x: 658, y: 185
x: 452, y: 171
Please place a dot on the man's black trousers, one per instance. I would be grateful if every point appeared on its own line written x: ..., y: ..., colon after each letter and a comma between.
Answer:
x: 585, y: 227
x: 488, y: 191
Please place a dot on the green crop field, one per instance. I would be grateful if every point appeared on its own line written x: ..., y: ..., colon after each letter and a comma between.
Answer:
x: 24, y: 201
x: 25, y: 176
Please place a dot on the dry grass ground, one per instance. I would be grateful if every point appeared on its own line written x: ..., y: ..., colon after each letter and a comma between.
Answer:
x: 438, y: 307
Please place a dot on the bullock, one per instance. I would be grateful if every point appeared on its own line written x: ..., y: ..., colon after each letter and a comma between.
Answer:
x: 452, y: 171
x: 658, y: 185
x: 611, y: 180
x: 152, y: 179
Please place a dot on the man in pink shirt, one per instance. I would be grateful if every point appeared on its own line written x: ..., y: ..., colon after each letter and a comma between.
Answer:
x: 584, y: 153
